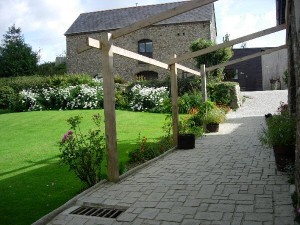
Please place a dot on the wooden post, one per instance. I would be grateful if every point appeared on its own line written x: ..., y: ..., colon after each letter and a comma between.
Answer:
x: 109, y: 109
x: 203, y: 81
x: 174, y: 93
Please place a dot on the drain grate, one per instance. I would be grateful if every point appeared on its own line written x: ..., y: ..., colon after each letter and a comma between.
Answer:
x: 98, y: 212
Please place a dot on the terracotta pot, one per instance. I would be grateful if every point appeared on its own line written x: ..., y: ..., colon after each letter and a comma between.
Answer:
x: 284, y: 156
x: 212, y: 128
x: 186, y: 141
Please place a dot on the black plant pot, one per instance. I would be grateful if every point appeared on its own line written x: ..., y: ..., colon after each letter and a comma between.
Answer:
x: 284, y: 156
x: 212, y: 128
x: 186, y: 141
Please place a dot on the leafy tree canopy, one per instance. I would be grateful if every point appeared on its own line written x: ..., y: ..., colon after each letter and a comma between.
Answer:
x: 16, y: 57
x: 213, y: 58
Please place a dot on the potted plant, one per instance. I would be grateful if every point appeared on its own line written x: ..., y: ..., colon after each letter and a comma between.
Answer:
x: 280, y: 134
x: 186, y: 138
x: 213, y: 118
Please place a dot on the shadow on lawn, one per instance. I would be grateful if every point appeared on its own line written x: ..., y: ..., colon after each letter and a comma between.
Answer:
x: 33, y: 164
x: 28, y: 196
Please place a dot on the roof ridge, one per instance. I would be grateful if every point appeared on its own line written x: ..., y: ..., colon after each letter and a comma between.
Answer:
x: 130, y: 7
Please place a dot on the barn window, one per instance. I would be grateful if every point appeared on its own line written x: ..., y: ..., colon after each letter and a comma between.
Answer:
x: 146, y: 48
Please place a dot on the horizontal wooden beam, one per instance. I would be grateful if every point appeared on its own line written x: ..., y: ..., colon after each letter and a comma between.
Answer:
x: 133, y: 55
x: 245, y: 58
x: 227, y: 44
x: 190, y: 5
x: 93, y: 43
x: 186, y: 69
x: 89, y: 44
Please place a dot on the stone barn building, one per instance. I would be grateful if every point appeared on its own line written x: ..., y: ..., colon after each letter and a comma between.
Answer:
x: 160, y: 41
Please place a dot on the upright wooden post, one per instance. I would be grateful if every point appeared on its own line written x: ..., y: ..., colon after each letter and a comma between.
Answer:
x: 109, y: 109
x: 174, y: 94
x: 203, y: 82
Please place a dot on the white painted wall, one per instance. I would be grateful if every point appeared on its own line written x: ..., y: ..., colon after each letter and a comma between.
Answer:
x: 273, y: 67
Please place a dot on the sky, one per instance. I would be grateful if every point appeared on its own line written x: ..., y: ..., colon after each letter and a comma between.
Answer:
x: 44, y: 22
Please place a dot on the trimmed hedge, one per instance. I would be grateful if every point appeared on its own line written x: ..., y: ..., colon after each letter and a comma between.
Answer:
x: 37, y: 82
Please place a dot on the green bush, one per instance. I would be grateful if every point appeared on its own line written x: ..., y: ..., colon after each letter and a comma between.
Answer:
x: 49, y: 69
x: 189, y: 85
x: 189, y: 101
x: 146, y: 151
x: 83, y: 153
x: 38, y: 82
x: 26, y: 82
x: 222, y: 93
x: 281, y: 130
x: 214, y: 116
x: 6, y: 96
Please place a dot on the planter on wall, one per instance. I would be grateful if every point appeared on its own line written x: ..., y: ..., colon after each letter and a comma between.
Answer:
x: 284, y: 156
x: 186, y: 141
x: 212, y: 128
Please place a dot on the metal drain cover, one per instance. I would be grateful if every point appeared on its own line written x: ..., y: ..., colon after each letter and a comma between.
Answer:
x: 98, y: 212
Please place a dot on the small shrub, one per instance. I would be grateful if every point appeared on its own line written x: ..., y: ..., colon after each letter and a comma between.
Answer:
x: 222, y: 93
x: 214, y: 116
x: 189, y: 101
x: 6, y: 96
x: 83, y: 153
x: 148, y: 150
x: 189, y: 85
x: 144, y: 151
x: 281, y: 130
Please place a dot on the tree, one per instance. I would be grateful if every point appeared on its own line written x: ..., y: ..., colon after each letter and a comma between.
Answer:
x: 16, y: 57
x: 213, y: 58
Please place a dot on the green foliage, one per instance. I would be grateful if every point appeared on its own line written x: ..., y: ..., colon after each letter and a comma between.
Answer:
x: 38, y: 82
x: 146, y: 150
x: 50, y: 69
x: 222, y: 93
x: 16, y: 57
x: 6, y: 95
x: 286, y: 78
x: 213, y: 58
x: 189, y: 101
x: 214, y: 116
x: 189, y: 85
x: 83, y: 153
x: 281, y: 130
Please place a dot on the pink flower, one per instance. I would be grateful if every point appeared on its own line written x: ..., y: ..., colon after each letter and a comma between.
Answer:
x: 70, y: 132
x: 298, y: 211
x: 65, y: 137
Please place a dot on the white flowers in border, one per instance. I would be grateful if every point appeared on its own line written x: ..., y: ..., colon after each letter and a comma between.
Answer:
x: 147, y: 98
x: 73, y: 97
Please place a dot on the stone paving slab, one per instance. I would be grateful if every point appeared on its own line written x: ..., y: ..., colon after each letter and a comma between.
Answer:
x: 228, y: 179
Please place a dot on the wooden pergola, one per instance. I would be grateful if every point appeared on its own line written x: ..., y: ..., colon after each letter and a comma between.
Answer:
x: 108, y: 50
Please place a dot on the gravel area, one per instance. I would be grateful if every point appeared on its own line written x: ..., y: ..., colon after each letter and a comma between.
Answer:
x: 261, y: 102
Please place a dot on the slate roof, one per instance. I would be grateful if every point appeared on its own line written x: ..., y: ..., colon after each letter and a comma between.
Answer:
x: 118, y: 18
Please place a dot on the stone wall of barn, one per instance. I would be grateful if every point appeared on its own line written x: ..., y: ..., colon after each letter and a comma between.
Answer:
x: 167, y: 41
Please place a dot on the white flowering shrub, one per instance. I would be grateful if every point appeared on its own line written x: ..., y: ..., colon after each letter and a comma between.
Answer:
x: 148, y: 99
x: 74, y: 97
x: 84, y: 96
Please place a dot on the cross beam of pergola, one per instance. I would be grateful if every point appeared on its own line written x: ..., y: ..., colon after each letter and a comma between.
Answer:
x: 108, y: 50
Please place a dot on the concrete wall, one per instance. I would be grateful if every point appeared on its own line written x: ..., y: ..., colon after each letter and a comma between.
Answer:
x: 273, y: 67
x: 167, y: 41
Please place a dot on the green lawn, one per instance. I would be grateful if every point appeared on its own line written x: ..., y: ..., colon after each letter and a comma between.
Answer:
x: 32, y: 182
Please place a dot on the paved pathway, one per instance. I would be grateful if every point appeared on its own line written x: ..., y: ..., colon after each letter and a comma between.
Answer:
x: 228, y: 179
